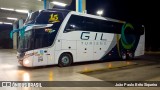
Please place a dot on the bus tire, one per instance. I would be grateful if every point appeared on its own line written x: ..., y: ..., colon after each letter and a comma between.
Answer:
x: 123, y: 56
x: 65, y: 60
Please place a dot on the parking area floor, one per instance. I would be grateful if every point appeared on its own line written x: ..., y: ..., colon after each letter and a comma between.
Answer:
x: 135, y: 70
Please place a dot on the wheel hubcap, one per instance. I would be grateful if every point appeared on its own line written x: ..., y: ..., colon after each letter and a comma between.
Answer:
x: 65, y: 60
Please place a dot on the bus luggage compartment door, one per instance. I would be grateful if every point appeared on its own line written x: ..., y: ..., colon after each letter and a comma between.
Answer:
x: 84, y: 51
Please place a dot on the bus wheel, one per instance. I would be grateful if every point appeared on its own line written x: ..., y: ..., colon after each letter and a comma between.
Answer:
x: 65, y: 60
x: 124, y: 56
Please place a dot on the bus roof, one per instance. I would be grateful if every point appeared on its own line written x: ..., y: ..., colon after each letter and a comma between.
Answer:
x: 59, y: 10
x: 64, y: 11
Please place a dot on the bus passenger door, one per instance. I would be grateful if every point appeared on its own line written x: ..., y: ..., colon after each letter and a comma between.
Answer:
x: 41, y: 44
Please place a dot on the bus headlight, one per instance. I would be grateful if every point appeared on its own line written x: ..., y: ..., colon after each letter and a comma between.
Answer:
x: 26, y: 61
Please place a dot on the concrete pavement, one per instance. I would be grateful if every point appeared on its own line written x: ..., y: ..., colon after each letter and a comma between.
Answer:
x: 10, y: 70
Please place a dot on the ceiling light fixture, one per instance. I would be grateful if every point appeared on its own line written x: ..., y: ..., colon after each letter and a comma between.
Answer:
x: 22, y: 11
x: 59, y: 3
x: 7, y: 23
x: 12, y: 18
x: 9, y: 9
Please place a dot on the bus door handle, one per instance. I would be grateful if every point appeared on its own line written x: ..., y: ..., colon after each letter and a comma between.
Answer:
x: 47, y: 54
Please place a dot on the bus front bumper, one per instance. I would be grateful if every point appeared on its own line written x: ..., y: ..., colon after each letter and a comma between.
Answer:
x: 27, y: 62
x: 20, y: 62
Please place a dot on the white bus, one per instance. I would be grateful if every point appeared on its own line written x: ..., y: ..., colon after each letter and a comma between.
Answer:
x: 63, y: 37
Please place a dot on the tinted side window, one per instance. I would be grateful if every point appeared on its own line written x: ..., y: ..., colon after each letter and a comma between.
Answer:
x: 110, y: 27
x: 42, y: 38
x: 92, y: 24
x: 80, y: 23
x: 75, y: 23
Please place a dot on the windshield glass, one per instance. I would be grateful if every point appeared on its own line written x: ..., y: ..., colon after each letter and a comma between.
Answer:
x: 44, y: 37
x: 43, y: 32
x: 32, y: 17
x: 26, y: 42
x: 37, y: 38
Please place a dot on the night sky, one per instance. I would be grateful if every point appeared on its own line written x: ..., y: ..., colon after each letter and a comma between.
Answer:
x: 134, y: 11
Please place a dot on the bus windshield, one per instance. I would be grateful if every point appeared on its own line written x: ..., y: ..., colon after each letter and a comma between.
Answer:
x: 37, y: 38
x: 43, y: 32
x: 31, y: 18
x: 25, y: 42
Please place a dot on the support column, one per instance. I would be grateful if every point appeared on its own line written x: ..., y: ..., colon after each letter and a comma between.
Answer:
x: 20, y: 22
x: 29, y: 13
x: 84, y: 6
x: 14, y: 37
x: 81, y: 5
x: 47, y: 4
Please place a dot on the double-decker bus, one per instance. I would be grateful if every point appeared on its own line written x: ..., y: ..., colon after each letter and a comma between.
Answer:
x: 63, y: 37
